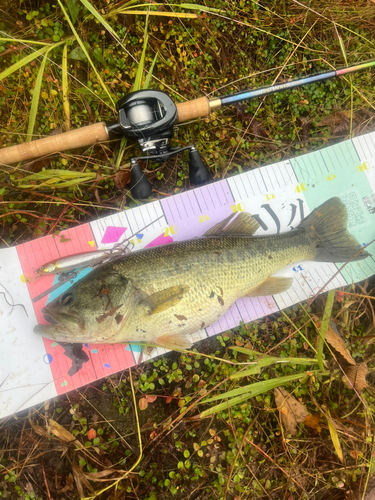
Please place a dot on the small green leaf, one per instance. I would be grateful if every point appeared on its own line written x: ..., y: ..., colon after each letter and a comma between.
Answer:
x: 97, y: 53
x: 73, y: 7
x: 78, y: 54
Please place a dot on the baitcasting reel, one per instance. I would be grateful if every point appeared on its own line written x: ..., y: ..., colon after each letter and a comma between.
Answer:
x: 148, y: 116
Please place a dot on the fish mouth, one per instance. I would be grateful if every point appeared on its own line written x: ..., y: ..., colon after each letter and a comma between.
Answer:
x: 63, y: 326
x: 53, y: 315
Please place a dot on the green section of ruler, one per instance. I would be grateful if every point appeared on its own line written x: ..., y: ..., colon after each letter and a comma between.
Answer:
x: 337, y: 171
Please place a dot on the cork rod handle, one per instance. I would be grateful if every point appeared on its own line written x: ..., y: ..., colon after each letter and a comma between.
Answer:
x: 84, y: 136
x: 193, y: 109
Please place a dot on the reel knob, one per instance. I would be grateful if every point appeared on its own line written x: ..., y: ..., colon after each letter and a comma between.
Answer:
x: 140, y: 186
x: 198, y: 171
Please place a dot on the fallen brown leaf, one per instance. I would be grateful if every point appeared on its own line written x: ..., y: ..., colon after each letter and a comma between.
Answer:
x: 305, y: 124
x: 334, y: 119
x: 292, y: 411
x: 68, y: 485
x: 255, y: 126
x: 80, y: 480
x: 63, y: 434
x: 94, y: 476
x: 313, y: 421
x: 122, y: 178
x: 355, y: 377
x: 336, y: 341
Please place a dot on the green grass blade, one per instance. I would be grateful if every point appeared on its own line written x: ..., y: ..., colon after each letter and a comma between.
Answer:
x: 179, y: 15
x: 335, y: 439
x: 256, y: 389
x: 65, y: 88
x: 81, y: 44
x: 28, y: 42
x: 193, y: 6
x: 224, y: 406
x: 59, y: 174
x: 121, y: 152
x: 35, y: 100
x: 26, y: 60
x: 139, y: 74
x: 324, y: 327
x: 149, y: 74
x: 254, y: 370
x: 262, y: 386
x: 190, y: 6
x: 268, y: 361
x: 100, y: 18
x: 243, y: 350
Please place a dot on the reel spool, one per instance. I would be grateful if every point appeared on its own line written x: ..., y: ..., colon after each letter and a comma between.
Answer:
x: 148, y: 116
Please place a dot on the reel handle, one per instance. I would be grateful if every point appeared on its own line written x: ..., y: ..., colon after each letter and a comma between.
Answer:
x: 85, y: 136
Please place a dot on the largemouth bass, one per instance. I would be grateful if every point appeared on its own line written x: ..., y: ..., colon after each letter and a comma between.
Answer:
x: 160, y: 294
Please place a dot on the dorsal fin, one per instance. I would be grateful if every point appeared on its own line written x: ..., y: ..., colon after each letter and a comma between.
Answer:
x: 243, y: 224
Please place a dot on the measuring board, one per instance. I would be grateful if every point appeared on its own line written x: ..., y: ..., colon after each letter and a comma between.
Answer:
x: 33, y: 369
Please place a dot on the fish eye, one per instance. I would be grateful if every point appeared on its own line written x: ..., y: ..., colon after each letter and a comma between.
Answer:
x: 66, y: 298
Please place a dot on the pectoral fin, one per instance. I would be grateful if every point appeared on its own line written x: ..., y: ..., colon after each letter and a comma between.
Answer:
x: 271, y: 286
x: 177, y: 341
x: 244, y: 224
x: 163, y: 300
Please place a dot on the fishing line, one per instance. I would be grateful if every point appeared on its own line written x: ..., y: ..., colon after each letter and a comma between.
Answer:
x: 13, y: 305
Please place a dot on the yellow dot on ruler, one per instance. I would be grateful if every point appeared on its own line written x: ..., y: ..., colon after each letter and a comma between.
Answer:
x: 91, y: 243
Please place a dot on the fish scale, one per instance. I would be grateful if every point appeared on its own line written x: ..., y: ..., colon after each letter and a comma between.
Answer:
x: 161, y: 294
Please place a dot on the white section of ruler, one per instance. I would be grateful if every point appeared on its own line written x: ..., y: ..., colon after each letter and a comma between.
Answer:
x: 134, y: 220
x: 25, y: 380
x: 276, y: 185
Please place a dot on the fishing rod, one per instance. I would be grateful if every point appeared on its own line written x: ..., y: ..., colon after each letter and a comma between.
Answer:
x: 148, y: 117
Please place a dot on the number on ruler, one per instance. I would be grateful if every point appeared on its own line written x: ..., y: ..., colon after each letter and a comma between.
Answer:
x: 270, y: 196
x: 301, y: 187
x: 135, y: 241
x: 170, y: 229
x: 297, y: 268
x: 203, y: 218
x: 240, y: 207
x: 363, y: 166
x: 331, y: 177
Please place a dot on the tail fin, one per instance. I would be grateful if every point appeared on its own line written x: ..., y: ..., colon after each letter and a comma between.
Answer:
x: 327, y: 227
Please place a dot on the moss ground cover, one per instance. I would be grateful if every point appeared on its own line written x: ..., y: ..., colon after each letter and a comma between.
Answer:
x: 209, y: 423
